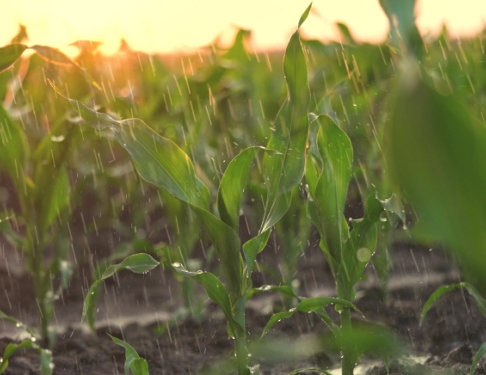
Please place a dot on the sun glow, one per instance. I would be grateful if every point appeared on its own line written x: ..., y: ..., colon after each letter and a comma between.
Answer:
x: 163, y: 26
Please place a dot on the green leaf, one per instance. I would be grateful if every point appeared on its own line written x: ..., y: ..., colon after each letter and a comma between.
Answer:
x: 161, y: 162
x: 480, y: 301
x: 310, y: 305
x: 441, y: 170
x: 15, y: 150
x: 17, y: 323
x: 358, y: 248
x: 52, y: 55
x: 328, y: 186
x: 138, y: 263
x: 133, y: 362
x: 253, y: 247
x: 47, y: 365
x: 56, y: 57
x: 477, y: 358
x: 395, y: 206
x: 401, y: 16
x: 56, y: 198
x: 305, y: 15
x: 158, y: 160
x: 232, y: 185
x: 284, y: 169
x: 215, y: 290
x: 10, y: 54
x: 283, y: 289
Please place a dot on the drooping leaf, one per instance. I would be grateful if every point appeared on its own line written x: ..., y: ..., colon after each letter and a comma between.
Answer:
x: 54, y: 56
x: 480, y: 301
x: 283, y: 289
x: 10, y: 54
x: 47, y: 364
x: 137, y: 263
x: 215, y: 290
x: 133, y: 362
x: 310, y: 305
x: 161, y: 162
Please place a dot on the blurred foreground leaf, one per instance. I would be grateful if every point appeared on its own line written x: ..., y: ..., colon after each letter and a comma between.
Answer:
x: 437, y: 155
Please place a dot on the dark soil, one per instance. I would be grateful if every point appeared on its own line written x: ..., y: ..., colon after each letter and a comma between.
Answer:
x: 133, y: 306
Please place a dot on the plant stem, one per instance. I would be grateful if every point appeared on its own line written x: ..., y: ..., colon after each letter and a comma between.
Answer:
x: 241, y: 355
x: 347, y: 360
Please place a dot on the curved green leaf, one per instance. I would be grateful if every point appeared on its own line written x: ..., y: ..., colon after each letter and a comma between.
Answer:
x: 161, y: 162
x: 284, y: 289
x: 253, y: 247
x: 232, y: 186
x: 215, y: 290
x: 434, y: 297
x: 137, y: 263
x: 477, y: 358
x: 133, y: 362
x: 10, y: 54
x: 311, y: 305
x: 158, y: 160
x: 480, y: 301
x: 47, y: 365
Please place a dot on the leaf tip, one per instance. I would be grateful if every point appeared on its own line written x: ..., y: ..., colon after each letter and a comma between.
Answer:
x: 305, y: 15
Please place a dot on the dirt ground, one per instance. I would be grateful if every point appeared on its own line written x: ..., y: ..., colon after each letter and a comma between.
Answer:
x: 133, y: 306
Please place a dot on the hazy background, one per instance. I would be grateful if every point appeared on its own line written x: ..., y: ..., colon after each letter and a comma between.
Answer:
x: 178, y: 26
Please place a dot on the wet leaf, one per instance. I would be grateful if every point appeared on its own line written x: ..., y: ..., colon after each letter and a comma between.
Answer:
x: 15, y: 150
x: 480, y: 301
x: 283, y: 170
x: 10, y: 54
x: 133, y: 362
x: 328, y: 179
x: 477, y: 358
x: 138, y: 263
x: 310, y: 305
x: 215, y: 290
x: 232, y: 185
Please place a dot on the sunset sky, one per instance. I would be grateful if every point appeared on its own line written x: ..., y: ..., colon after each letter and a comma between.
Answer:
x: 179, y: 26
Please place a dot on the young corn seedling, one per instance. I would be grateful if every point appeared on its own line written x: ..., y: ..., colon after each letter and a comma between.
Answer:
x: 162, y: 163
x: 46, y: 364
x: 347, y: 250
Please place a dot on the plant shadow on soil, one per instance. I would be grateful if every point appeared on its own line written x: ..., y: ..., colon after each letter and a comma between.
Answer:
x: 132, y: 306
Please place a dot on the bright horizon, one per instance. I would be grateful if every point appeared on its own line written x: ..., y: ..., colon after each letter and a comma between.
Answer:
x: 156, y: 26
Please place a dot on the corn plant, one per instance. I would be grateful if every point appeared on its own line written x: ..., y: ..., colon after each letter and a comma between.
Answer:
x: 161, y: 162
x: 347, y: 250
x: 39, y: 175
x: 46, y: 364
